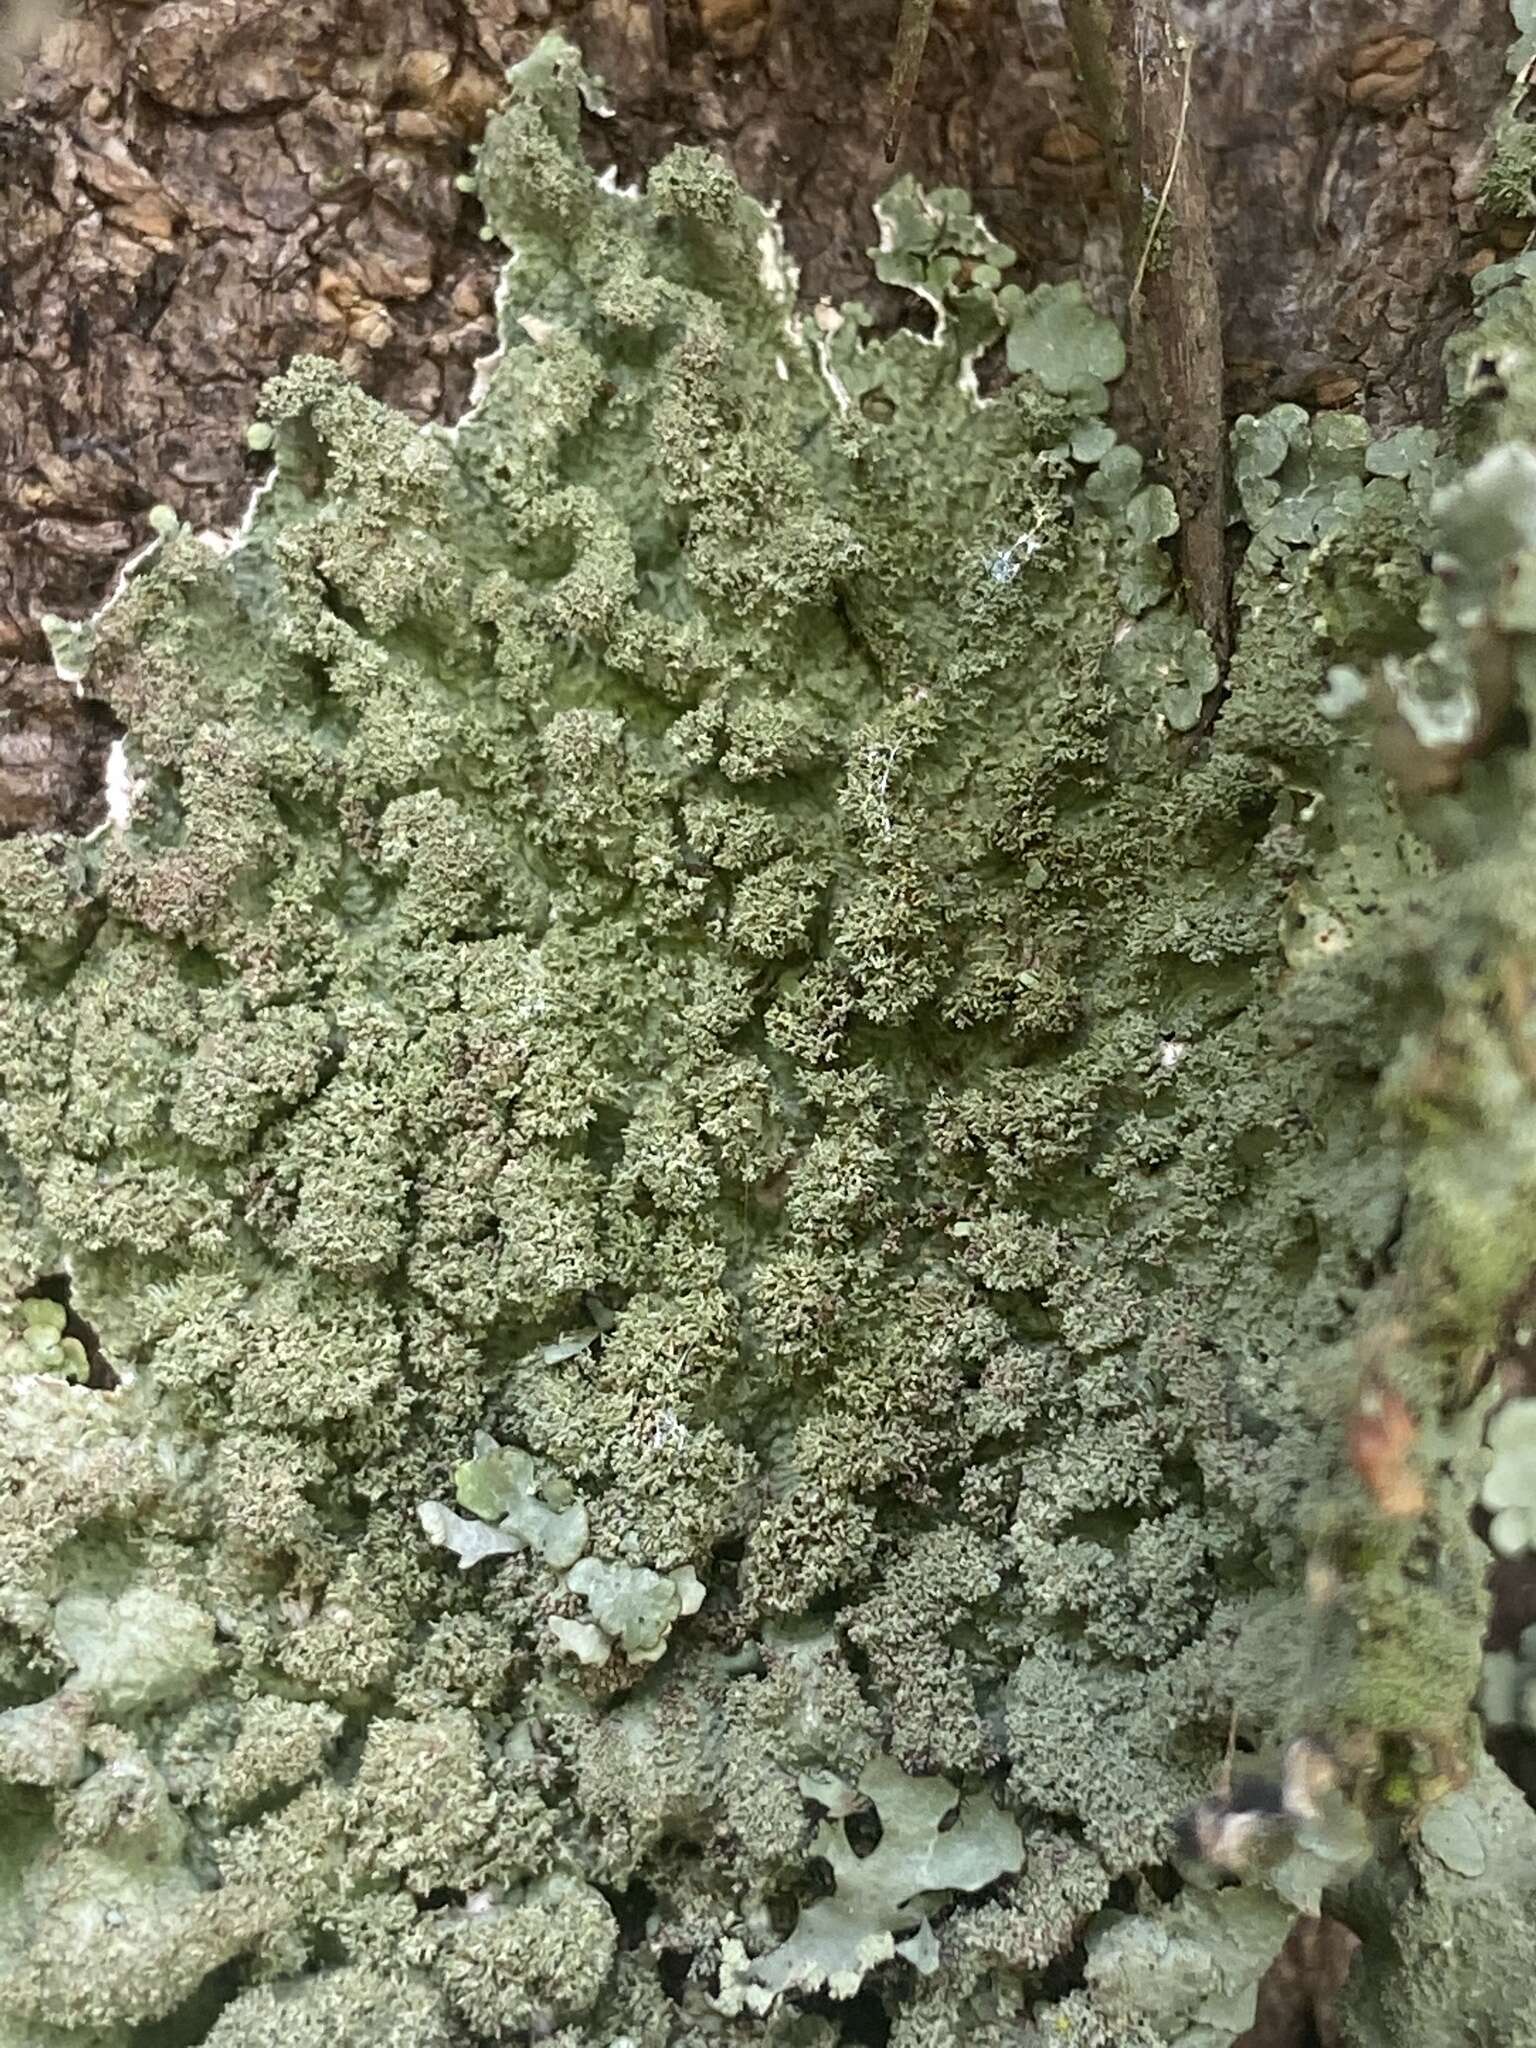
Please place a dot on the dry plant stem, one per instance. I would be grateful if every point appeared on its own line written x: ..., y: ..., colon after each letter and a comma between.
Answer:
x: 1135, y: 71
x: 906, y: 62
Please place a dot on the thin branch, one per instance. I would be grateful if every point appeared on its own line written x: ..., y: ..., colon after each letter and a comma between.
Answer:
x: 906, y: 63
x: 1138, y: 95
x: 1161, y: 211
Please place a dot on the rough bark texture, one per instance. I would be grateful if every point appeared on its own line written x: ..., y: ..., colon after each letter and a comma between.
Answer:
x: 1295, y: 1997
x: 195, y: 190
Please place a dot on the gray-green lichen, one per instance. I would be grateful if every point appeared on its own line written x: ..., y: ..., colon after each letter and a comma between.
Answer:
x: 35, y: 1341
x: 932, y: 1844
x: 1455, y: 1926
x: 727, y: 848
x: 1509, y: 1486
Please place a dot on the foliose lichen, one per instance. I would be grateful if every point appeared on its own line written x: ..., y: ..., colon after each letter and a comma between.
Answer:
x: 35, y: 1340
x: 932, y: 1844
x: 732, y: 848
x: 1509, y: 1487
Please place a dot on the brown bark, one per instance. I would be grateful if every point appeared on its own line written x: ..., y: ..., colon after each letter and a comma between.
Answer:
x: 1176, y: 314
x: 1296, y: 1996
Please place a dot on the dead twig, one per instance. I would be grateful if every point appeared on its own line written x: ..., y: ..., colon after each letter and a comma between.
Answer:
x: 1136, y: 71
x: 906, y: 63
x: 1160, y: 211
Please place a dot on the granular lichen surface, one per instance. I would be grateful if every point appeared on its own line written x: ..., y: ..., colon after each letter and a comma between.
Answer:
x: 676, y: 1117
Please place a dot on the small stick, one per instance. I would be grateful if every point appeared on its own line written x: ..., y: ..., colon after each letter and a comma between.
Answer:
x: 1161, y: 208
x: 1225, y: 1786
x: 906, y: 63
x: 1125, y: 51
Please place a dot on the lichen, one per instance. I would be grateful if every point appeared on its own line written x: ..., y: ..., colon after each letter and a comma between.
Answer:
x: 36, y: 1340
x: 932, y: 1844
x: 1454, y: 1927
x: 700, y: 968
x: 1508, y: 187
x: 1509, y: 1489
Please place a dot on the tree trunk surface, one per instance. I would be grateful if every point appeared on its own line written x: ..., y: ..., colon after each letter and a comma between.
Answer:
x: 196, y: 190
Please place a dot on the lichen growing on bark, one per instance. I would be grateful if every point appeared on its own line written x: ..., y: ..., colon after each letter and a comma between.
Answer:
x: 693, y: 927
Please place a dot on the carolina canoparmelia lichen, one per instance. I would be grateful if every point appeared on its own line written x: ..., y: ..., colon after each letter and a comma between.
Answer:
x: 676, y: 928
